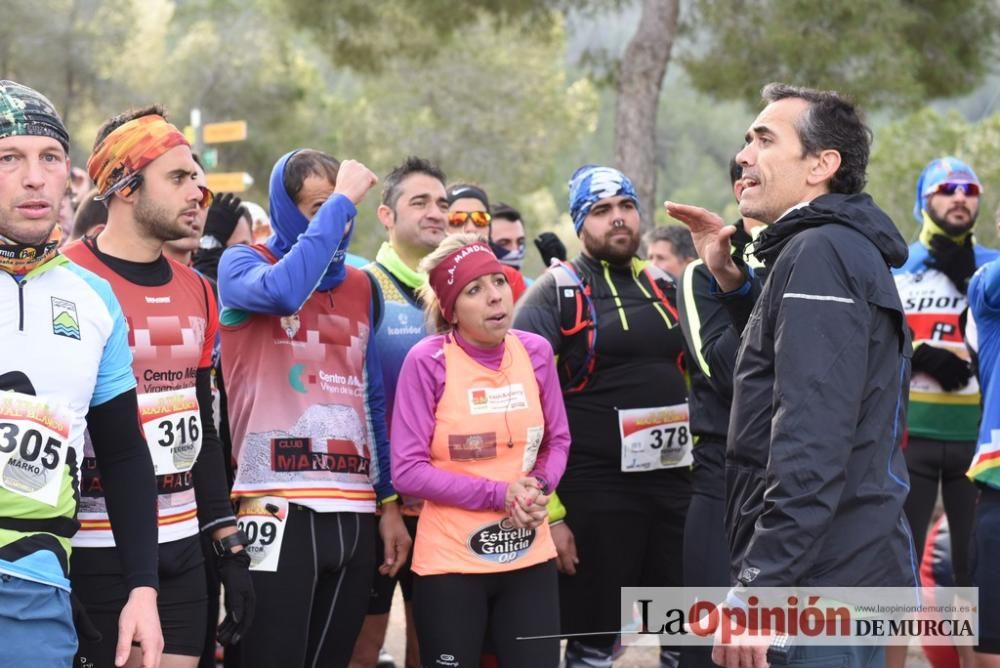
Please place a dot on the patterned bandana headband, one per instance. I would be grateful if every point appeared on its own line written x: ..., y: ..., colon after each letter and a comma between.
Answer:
x: 26, y: 112
x: 592, y: 183
x: 117, y: 162
x: 457, y: 270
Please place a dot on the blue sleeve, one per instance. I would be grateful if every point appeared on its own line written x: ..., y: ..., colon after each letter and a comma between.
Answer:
x: 985, y: 255
x: 247, y: 281
x: 984, y: 289
x: 375, y: 400
x: 114, y: 375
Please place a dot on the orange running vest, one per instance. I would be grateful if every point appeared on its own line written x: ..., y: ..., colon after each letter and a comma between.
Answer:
x: 488, y: 424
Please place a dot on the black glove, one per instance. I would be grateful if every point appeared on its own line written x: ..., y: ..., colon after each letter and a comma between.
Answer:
x: 957, y: 262
x: 234, y: 572
x: 223, y: 216
x: 550, y: 246
x: 947, y: 368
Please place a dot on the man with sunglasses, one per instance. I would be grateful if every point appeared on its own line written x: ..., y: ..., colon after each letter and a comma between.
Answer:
x: 469, y: 213
x: 154, y: 192
x: 944, y: 405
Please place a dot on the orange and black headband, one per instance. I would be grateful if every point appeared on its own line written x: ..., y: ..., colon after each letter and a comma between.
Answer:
x: 117, y: 161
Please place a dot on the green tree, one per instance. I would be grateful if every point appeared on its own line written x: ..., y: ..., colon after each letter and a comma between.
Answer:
x: 499, y: 117
x: 638, y: 84
x: 233, y: 60
x: 367, y: 36
x: 696, y: 139
x: 884, y: 53
x: 63, y: 48
x: 246, y: 62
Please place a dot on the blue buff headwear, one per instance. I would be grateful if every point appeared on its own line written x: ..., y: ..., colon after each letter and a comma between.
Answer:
x: 942, y: 170
x: 592, y: 183
x: 288, y: 223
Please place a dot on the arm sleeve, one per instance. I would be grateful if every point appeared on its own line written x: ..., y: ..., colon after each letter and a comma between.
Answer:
x: 249, y: 283
x: 714, y: 338
x: 554, y: 449
x: 211, y: 489
x: 557, y: 511
x: 821, y: 339
x: 412, y: 432
x: 114, y: 374
x: 375, y: 394
x: 538, y: 311
x: 984, y: 289
x: 129, y: 486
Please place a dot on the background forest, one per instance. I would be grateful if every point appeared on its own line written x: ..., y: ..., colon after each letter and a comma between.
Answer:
x: 515, y: 94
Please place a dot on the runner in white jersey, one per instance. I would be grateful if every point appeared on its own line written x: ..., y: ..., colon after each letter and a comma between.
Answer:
x: 67, y: 367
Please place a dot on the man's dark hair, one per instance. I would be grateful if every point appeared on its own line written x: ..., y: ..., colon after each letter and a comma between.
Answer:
x: 412, y: 165
x: 116, y: 122
x: 735, y: 171
x: 831, y: 122
x: 305, y: 163
x: 506, y: 211
x: 677, y: 236
x: 89, y: 214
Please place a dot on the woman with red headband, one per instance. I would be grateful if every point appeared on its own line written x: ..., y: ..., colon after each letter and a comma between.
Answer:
x: 479, y: 432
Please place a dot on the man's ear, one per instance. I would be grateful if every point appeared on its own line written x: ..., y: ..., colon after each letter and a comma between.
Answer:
x: 826, y: 165
x: 385, y: 216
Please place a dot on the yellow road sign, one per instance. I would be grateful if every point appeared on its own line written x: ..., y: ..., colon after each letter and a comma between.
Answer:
x: 229, y: 182
x: 216, y: 133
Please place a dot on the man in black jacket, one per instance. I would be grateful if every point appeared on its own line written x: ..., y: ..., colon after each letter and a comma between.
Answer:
x: 815, y: 476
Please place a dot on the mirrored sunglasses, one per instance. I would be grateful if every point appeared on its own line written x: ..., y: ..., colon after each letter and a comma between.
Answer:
x: 968, y: 189
x: 478, y: 218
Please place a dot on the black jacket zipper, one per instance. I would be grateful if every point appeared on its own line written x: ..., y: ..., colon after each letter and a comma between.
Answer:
x: 20, y: 305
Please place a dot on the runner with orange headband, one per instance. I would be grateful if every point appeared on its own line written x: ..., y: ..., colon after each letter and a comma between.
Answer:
x: 154, y: 192
x: 482, y: 437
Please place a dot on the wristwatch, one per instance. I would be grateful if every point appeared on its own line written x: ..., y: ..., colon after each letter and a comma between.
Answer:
x: 230, y: 541
x: 208, y: 242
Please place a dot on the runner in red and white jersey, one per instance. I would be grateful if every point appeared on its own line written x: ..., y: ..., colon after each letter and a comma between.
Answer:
x: 146, y: 175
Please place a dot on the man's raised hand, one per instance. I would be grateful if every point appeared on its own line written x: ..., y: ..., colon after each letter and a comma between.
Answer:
x: 711, y: 237
x: 354, y: 180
